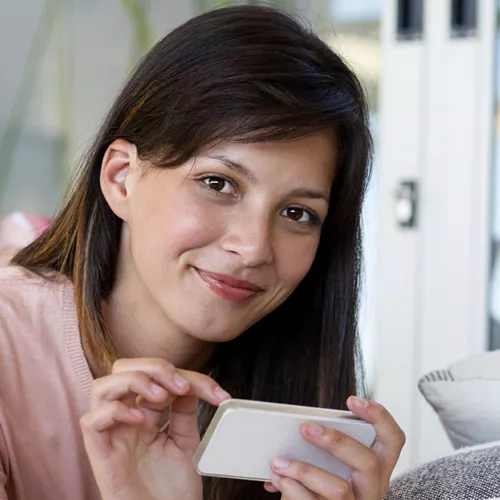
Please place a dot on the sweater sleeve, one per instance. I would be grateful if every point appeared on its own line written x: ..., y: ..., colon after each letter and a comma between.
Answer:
x: 4, y: 450
x: 3, y: 466
x: 3, y: 494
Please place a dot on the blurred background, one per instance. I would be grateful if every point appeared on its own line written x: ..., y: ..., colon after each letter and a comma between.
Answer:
x: 431, y: 219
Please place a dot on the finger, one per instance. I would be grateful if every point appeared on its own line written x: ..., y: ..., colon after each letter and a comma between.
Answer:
x: 94, y: 423
x: 174, y: 380
x: 347, y: 449
x: 316, y: 480
x: 268, y: 486
x: 183, y: 427
x: 160, y: 371
x: 108, y: 415
x: 141, y: 402
x: 205, y: 387
x: 132, y: 383
x: 390, y: 436
x: 292, y: 489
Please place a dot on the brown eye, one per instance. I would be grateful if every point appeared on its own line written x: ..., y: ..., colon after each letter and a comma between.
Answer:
x: 218, y: 184
x: 301, y: 216
x: 297, y: 214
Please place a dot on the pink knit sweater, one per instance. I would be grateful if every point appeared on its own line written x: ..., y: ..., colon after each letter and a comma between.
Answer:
x: 44, y: 389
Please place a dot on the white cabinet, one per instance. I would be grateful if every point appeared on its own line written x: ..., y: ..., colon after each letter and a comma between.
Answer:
x: 436, y: 116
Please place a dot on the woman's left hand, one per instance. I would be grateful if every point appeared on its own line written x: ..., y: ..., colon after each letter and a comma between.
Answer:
x: 371, y: 468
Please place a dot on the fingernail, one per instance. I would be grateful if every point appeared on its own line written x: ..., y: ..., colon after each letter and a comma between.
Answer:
x: 275, y: 479
x: 360, y: 403
x: 135, y: 413
x: 156, y: 389
x: 280, y: 463
x: 221, y: 394
x: 314, y: 430
x: 180, y: 382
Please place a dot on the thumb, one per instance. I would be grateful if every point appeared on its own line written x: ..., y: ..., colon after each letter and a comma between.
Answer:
x: 183, y: 427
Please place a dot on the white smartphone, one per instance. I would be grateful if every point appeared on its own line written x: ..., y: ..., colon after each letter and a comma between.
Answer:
x: 244, y: 436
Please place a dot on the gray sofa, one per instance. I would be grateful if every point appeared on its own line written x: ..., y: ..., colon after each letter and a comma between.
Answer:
x: 469, y: 474
x: 466, y: 397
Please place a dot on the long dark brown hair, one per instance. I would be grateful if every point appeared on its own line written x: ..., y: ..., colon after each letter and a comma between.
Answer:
x: 237, y: 74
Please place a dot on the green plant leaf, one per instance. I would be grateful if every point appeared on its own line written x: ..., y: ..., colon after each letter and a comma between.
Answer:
x: 137, y: 11
x: 20, y: 108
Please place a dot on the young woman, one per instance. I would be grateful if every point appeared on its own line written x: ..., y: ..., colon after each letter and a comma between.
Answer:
x: 210, y: 246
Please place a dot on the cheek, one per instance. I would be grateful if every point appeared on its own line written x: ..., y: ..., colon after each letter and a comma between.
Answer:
x: 294, y: 259
x: 175, y: 226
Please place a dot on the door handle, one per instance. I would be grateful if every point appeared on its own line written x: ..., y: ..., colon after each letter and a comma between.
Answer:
x: 406, y: 204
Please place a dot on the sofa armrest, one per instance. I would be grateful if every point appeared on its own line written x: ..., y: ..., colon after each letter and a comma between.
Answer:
x: 469, y: 474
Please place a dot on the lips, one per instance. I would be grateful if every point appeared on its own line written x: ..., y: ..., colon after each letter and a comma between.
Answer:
x: 228, y: 287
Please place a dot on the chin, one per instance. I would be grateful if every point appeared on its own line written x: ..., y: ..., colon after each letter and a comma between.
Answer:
x: 215, y: 333
x: 216, y: 337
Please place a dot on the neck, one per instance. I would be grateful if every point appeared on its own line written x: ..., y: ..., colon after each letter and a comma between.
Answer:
x: 140, y: 329
x: 134, y: 338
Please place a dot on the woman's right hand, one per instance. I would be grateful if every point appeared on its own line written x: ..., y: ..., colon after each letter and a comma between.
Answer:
x: 130, y: 457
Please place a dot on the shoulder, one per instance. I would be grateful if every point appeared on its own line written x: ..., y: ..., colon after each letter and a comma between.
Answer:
x: 29, y: 303
x: 23, y: 287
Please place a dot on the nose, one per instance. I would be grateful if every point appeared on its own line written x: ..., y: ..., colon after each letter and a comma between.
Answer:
x: 249, y: 238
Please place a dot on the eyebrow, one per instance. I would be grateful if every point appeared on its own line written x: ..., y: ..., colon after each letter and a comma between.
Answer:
x: 310, y: 193
x: 234, y: 165
x: 299, y: 192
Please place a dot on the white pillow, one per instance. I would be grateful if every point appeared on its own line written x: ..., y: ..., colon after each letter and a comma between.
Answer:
x: 466, y: 396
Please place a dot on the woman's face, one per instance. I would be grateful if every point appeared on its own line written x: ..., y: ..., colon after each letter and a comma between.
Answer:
x: 223, y: 240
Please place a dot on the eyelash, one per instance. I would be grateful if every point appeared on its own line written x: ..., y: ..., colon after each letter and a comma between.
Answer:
x: 218, y: 177
x: 314, y: 218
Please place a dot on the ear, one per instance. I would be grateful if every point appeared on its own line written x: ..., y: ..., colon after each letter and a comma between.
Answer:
x: 118, y: 176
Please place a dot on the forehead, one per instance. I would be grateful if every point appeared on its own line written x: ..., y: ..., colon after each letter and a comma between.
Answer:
x: 311, y: 159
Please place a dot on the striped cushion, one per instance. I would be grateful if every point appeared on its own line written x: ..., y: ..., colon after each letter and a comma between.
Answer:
x: 466, y: 396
